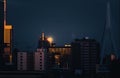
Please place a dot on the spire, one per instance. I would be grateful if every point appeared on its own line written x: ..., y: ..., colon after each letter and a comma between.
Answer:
x: 43, y: 36
x: 108, y: 44
x: 4, y: 12
x: 108, y: 16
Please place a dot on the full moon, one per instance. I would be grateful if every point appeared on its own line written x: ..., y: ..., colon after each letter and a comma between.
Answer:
x: 50, y: 39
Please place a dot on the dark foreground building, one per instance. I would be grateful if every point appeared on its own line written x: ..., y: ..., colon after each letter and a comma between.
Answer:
x: 115, y: 68
x: 1, y: 30
x: 85, y: 56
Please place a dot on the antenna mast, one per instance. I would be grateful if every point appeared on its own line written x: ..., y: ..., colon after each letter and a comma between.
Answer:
x: 5, y: 12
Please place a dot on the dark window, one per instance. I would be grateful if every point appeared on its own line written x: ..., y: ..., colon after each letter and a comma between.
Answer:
x: 21, y: 62
x: 40, y: 65
x: 21, y: 59
x: 21, y: 56
x: 21, y: 65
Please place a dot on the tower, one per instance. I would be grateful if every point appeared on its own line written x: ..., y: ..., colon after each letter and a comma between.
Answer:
x: 108, y: 44
x: 7, y: 55
x: 43, y: 42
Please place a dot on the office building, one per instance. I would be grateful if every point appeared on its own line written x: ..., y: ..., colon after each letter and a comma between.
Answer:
x: 60, y: 56
x: 37, y: 60
x: 25, y: 61
x: 40, y: 60
x: 7, y: 44
x: 5, y: 36
x: 22, y: 61
x: 7, y: 55
x: 85, y: 56
x: 43, y: 44
x: 32, y: 61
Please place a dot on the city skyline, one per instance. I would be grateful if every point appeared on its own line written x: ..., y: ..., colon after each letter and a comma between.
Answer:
x: 63, y: 20
x: 59, y: 39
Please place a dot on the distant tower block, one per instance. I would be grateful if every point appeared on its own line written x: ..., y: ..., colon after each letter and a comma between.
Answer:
x: 7, y: 55
x: 108, y: 44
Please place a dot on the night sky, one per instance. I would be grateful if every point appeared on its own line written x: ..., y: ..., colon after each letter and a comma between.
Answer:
x: 64, y: 20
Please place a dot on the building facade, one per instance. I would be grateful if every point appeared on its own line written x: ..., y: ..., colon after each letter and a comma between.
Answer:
x: 60, y: 56
x: 5, y: 36
x: 40, y: 60
x: 32, y: 61
x: 85, y: 56
x: 22, y: 61
x: 7, y: 44
x: 7, y: 55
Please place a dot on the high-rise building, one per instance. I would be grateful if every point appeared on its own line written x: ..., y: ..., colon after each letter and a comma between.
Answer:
x: 7, y: 44
x: 44, y: 44
x: 7, y: 55
x: 37, y: 60
x: 40, y: 60
x: 5, y: 36
x: 60, y: 56
x: 32, y: 60
x: 85, y: 56
x: 21, y: 60
x: 25, y: 61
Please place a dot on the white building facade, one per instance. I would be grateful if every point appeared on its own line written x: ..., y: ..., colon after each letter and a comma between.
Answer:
x: 40, y: 58
x: 22, y: 61
x: 36, y: 61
